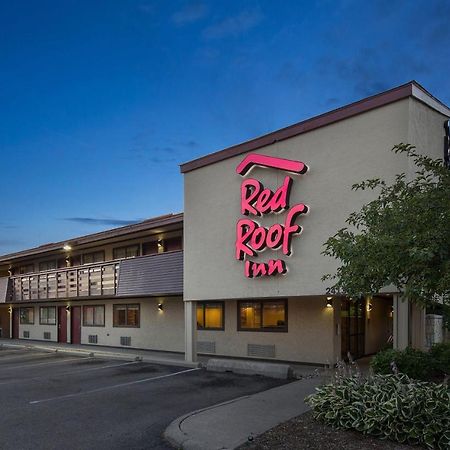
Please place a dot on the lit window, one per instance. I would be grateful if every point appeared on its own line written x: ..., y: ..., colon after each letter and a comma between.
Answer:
x: 210, y: 315
x: 263, y: 315
x: 27, y: 316
x: 94, y: 316
x: 47, y: 315
x: 126, y: 316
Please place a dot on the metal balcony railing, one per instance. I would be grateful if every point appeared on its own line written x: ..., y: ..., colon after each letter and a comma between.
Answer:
x: 89, y: 280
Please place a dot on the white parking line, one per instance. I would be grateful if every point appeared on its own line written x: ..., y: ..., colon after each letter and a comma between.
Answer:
x: 115, y: 386
x: 69, y: 372
x: 43, y: 363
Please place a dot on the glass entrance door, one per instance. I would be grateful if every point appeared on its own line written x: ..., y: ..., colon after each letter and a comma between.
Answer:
x: 352, y: 328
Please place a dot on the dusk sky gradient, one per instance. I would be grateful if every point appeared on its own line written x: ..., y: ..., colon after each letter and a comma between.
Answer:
x: 101, y: 100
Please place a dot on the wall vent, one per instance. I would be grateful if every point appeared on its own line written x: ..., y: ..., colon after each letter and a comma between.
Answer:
x: 47, y: 335
x: 26, y: 334
x: 125, y: 340
x: 206, y: 347
x: 93, y: 339
x: 261, y: 351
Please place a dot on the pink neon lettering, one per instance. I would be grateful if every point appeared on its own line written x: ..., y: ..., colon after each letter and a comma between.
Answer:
x: 273, y: 267
x: 244, y: 230
x: 270, y: 161
x: 290, y: 228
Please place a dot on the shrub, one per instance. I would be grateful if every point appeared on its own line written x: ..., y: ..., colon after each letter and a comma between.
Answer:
x: 414, y: 363
x: 388, y: 406
x: 441, y: 356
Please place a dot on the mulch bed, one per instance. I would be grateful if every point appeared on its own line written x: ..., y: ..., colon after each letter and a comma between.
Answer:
x: 303, y: 432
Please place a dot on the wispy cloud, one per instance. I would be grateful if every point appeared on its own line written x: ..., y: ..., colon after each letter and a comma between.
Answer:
x: 101, y: 221
x: 191, y: 13
x: 234, y: 26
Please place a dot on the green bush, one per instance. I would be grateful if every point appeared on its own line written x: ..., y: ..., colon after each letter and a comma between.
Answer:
x: 388, y: 406
x: 441, y: 356
x: 414, y: 363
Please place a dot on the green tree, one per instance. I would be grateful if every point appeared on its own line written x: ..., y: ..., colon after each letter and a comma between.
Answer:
x: 402, y: 238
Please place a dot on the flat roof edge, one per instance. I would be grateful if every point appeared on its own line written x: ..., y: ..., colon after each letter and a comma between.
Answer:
x: 410, y: 89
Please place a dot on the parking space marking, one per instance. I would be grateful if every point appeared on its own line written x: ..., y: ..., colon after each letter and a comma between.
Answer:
x: 44, y: 363
x: 115, y: 386
x: 111, y: 366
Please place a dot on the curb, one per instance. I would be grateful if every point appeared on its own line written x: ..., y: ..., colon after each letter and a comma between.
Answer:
x: 106, y: 354
x: 179, y: 439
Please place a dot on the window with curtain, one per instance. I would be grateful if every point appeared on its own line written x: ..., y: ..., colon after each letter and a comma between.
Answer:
x: 210, y: 315
x: 126, y: 316
x: 129, y: 251
x: 94, y: 315
x: 266, y: 315
x: 27, y: 316
x: 47, y: 315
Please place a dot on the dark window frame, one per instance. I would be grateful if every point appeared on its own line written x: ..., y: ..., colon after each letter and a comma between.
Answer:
x: 203, y: 304
x: 94, y: 325
x: 20, y: 315
x: 40, y: 315
x: 125, y: 247
x: 55, y: 261
x: 83, y: 256
x: 127, y: 305
x: 261, y: 329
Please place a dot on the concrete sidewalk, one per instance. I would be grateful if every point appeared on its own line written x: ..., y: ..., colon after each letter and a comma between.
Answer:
x: 230, y: 424
x: 164, y: 358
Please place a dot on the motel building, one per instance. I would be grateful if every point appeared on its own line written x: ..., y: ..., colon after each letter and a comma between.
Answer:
x: 239, y: 273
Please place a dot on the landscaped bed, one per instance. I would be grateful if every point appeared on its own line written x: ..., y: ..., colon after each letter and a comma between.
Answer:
x: 304, y: 432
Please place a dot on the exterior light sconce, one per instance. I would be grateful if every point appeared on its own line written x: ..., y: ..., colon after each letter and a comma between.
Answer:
x: 68, y: 308
x: 160, y: 307
x: 329, y: 303
x: 369, y: 307
x: 10, y: 309
x: 67, y: 247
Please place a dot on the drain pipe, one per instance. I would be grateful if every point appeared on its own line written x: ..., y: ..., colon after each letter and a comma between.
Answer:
x: 447, y: 143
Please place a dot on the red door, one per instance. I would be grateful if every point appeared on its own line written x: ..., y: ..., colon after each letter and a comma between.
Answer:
x: 62, y: 324
x: 76, y: 325
x: 15, y: 323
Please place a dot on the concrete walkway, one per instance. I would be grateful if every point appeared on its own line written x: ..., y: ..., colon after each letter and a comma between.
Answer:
x: 165, y: 358
x: 230, y: 424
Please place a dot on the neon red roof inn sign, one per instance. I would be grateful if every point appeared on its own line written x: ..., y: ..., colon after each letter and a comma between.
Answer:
x: 256, y: 201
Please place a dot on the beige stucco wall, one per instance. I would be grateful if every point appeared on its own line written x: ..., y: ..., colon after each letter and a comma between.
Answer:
x: 159, y: 330
x: 37, y: 331
x: 338, y: 156
x: 309, y: 338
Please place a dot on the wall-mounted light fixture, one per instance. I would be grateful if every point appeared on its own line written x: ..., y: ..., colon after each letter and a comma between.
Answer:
x: 67, y: 247
x: 369, y: 307
x: 160, y: 306
x: 10, y: 309
x: 329, y: 303
x: 68, y: 308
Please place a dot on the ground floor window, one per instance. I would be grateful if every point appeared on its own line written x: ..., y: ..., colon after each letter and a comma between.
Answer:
x: 27, y: 316
x: 94, y: 316
x: 210, y: 315
x: 126, y: 316
x: 47, y: 315
x: 266, y: 315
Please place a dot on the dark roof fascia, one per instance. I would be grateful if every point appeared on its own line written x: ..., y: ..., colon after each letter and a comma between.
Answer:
x: 411, y: 89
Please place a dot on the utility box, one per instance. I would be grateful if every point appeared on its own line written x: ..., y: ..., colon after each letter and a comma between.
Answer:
x: 434, y: 329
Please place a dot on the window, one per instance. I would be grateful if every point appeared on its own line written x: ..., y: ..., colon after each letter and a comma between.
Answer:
x: 130, y: 251
x: 47, y: 265
x: 173, y: 244
x: 94, y: 316
x: 126, y: 316
x: 26, y: 269
x: 210, y: 315
x: 47, y: 315
x: 150, y: 248
x: 27, y: 316
x: 262, y: 315
x: 94, y: 257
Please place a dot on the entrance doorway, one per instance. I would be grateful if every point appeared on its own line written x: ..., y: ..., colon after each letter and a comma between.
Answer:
x: 62, y: 324
x: 15, y: 323
x: 353, y: 329
x: 75, y: 325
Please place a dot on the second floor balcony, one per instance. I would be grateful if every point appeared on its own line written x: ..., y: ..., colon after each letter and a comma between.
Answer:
x: 160, y: 274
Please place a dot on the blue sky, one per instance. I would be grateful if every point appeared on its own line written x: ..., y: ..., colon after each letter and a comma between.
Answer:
x: 101, y: 100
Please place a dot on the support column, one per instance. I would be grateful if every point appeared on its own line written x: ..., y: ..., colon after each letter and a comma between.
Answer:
x: 401, y: 322
x: 418, y: 339
x: 10, y: 322
x: 69, y: 325
x: 190, y: 331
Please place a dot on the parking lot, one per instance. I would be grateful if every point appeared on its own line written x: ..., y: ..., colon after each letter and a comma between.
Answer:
x: 57, y: 400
